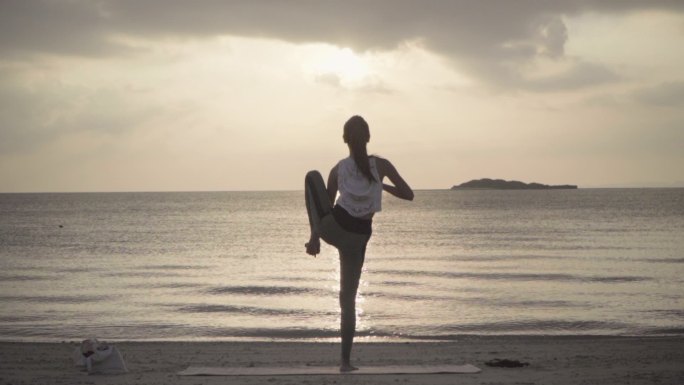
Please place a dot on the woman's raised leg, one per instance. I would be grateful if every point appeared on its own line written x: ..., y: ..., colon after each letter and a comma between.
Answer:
x: 318, y: 205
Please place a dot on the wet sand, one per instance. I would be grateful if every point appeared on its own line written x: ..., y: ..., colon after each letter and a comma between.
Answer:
x: 552, y: 360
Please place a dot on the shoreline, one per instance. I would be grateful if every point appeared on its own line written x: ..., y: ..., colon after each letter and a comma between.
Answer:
x: 552, y: 360
x: 332, y: 340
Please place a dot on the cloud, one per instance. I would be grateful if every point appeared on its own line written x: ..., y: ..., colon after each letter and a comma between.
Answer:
x: 37, y: 112
x: 368, y: 84
x: 492, y: 40
x: 55, y: 27
x: 330, y: 79
x: 580, y: 74
x: 668, y: 94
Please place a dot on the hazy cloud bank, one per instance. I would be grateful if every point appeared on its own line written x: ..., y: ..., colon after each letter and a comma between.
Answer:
x: 497, y: 41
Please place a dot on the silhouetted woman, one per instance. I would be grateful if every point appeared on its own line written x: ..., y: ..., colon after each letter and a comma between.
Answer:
x: 348, y: 224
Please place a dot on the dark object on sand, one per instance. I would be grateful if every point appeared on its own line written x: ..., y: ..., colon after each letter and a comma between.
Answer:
x: 506, y: 363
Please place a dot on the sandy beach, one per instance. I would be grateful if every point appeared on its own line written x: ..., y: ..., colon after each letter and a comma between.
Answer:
x: 552, y: 360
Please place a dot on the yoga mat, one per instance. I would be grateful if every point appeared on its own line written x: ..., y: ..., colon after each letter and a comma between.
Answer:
x: 326, y: 370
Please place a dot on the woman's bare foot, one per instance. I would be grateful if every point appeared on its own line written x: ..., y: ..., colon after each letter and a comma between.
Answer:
x: 313, y: 247
x: 344, y: 368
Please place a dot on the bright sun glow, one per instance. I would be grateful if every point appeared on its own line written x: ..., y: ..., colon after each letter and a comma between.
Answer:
x: 343, y: 63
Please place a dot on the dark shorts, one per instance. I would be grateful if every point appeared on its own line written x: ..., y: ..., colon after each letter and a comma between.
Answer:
x: 334, y: 224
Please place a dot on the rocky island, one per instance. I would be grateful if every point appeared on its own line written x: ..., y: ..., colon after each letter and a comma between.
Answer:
x: 500, y: 184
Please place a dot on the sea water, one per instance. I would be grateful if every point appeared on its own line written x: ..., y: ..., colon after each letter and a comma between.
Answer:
x: 231, y: 265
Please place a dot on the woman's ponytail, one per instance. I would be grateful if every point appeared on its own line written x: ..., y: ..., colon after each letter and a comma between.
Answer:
x: 357, y: 134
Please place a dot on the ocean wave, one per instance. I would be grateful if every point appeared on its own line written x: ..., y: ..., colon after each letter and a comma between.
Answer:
x: 454, y: 332
x: 251, y: 310
x: 476, y: 258
x: 514, y: 276
x: 72, y: 270
x: 32, y: 327
x: 77, y: 331
x: 283, y: 333
x: 529, y: 304
x: 668, y: 313
x: 293, y: 279
x: 662, y: 260
x: 665, y: 331
x: 65, y: 299
x: 140, y: 274
x: 161, y: 331
x: 175, y: 267
x: 162, y: 285
x: 21, y: 277
x: 19, y: 319
x: 400, y: 283
x: 615, y: 279
x: 406, y: 297
x: 538, y: 326
x: 265, y: 290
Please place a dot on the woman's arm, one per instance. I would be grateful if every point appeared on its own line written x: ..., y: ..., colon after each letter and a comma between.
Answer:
x: 399, y: 187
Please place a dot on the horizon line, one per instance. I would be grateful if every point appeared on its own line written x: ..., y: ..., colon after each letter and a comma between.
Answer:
x: 300, y: 190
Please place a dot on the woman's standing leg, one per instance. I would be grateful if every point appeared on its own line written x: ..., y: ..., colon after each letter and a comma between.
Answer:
x: 351, y: 264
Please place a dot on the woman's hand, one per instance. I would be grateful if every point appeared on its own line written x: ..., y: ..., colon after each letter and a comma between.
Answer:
x: 313, y: 247
x: 399, y: 188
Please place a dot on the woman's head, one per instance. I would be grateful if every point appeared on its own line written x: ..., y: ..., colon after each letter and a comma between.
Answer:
x: 356, y: 135
x: 356, y: 131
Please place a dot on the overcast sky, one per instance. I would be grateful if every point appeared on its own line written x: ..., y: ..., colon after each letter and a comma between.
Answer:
x: 249, y: 95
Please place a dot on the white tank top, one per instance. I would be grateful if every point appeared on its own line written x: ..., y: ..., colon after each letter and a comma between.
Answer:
x: 358, y: 195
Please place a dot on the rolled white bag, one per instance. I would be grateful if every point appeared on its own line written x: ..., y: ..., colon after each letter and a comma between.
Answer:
x: 99, y: 358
